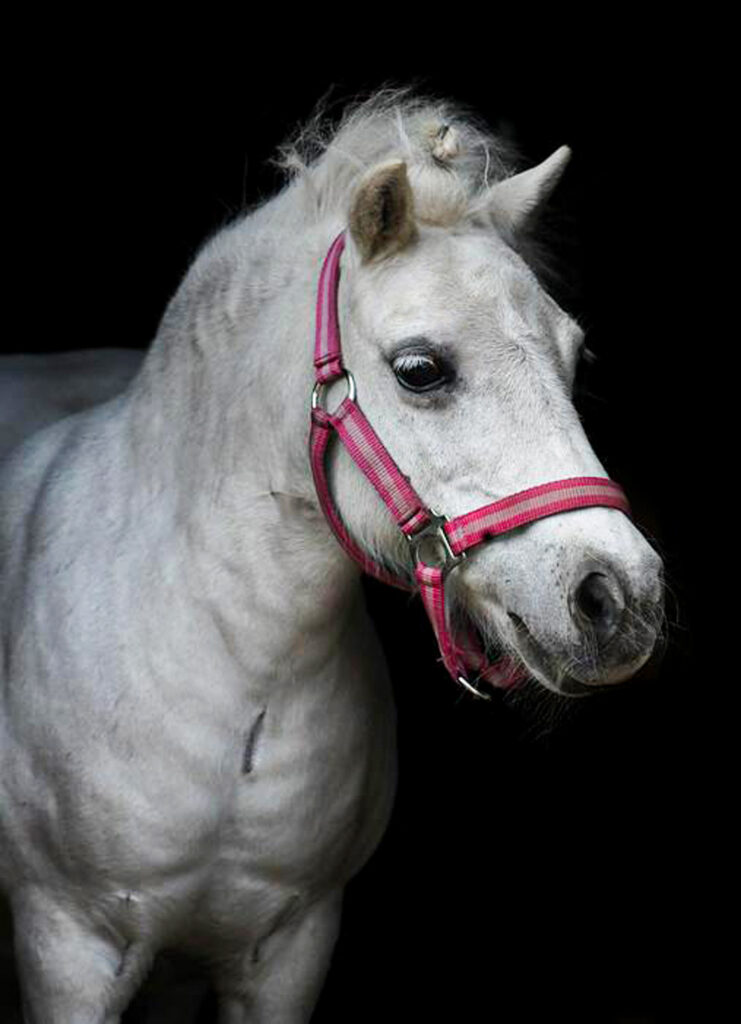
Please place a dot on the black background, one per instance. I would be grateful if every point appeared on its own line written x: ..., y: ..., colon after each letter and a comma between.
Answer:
x: 545, y: 863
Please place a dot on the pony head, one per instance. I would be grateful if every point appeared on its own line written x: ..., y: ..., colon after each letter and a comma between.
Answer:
x: 465, y: 367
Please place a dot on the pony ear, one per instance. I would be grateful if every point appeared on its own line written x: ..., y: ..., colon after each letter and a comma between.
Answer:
x: 514, y: 203
x: 382, y: 212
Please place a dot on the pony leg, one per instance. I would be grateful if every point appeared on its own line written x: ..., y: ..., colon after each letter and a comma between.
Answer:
x: 70, y: 972
x: 279, y: 981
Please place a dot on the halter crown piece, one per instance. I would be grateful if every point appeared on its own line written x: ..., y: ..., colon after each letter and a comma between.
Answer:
x: 437, y: 544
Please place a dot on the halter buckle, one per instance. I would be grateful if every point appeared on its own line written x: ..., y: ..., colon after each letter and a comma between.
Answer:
x: 431, y: 546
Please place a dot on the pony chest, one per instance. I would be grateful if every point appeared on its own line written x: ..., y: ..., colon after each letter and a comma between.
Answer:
x: 316, y: 786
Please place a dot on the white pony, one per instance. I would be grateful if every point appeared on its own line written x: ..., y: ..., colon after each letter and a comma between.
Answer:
x: 197, y: 733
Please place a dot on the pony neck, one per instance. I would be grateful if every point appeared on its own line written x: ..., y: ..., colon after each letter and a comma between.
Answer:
x: 220, y: 418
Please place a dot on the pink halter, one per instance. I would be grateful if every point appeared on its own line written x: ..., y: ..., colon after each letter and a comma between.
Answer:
x: 437, y: 544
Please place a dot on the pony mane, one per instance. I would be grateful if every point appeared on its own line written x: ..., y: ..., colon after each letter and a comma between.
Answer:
x: 451, y: 157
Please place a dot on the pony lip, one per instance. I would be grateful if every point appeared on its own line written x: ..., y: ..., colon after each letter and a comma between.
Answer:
x: 547, y: 669
x: 505, y: 669
x: 543, y: 666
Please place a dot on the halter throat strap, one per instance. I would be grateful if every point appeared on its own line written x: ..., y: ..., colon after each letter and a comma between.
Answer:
x: 437, y: 545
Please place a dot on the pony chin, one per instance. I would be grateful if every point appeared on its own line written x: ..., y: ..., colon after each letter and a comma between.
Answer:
x: 560, y: 676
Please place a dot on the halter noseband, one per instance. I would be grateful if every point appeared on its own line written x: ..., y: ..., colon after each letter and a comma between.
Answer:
x: 437, y: 544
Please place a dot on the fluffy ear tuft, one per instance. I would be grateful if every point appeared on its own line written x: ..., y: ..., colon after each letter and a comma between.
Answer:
x: 515, y: 202
x: 382, y: 213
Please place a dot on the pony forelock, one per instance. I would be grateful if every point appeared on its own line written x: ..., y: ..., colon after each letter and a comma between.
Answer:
x: 451, y: 157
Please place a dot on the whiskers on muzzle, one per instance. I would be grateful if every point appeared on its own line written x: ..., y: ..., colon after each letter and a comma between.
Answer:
x: 639, y: 637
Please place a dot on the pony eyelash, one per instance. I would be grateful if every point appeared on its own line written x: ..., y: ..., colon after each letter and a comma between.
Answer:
x: 411, y: 360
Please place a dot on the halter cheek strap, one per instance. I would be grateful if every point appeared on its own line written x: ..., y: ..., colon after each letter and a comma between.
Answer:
x: 437, y: 544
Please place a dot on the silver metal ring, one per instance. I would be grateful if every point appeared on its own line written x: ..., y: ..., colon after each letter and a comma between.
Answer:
x: 472, y: 689
x: 351, y: 389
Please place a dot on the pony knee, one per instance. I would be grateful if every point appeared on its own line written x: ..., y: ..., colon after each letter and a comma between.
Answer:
x: 278, y: 981
x: 69, y: 971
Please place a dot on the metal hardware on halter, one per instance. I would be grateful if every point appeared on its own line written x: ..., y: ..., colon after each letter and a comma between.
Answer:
x: 351, y: 389
x: 472, y: 689
x: 433, y: 532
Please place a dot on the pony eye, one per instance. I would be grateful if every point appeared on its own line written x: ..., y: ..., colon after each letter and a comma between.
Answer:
x: 417, y: 371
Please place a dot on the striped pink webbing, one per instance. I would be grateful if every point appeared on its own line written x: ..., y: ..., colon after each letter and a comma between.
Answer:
x: 492, y: 520
x: 431, y: 583
x: 327, y: 346
x: 322, y: 428
x: 535, y: 503
x: 466, y: 660
x: 371, y: 457
x: 355, y: 432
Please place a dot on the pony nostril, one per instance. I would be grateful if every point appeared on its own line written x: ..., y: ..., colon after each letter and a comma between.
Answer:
x: 598, y: 605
